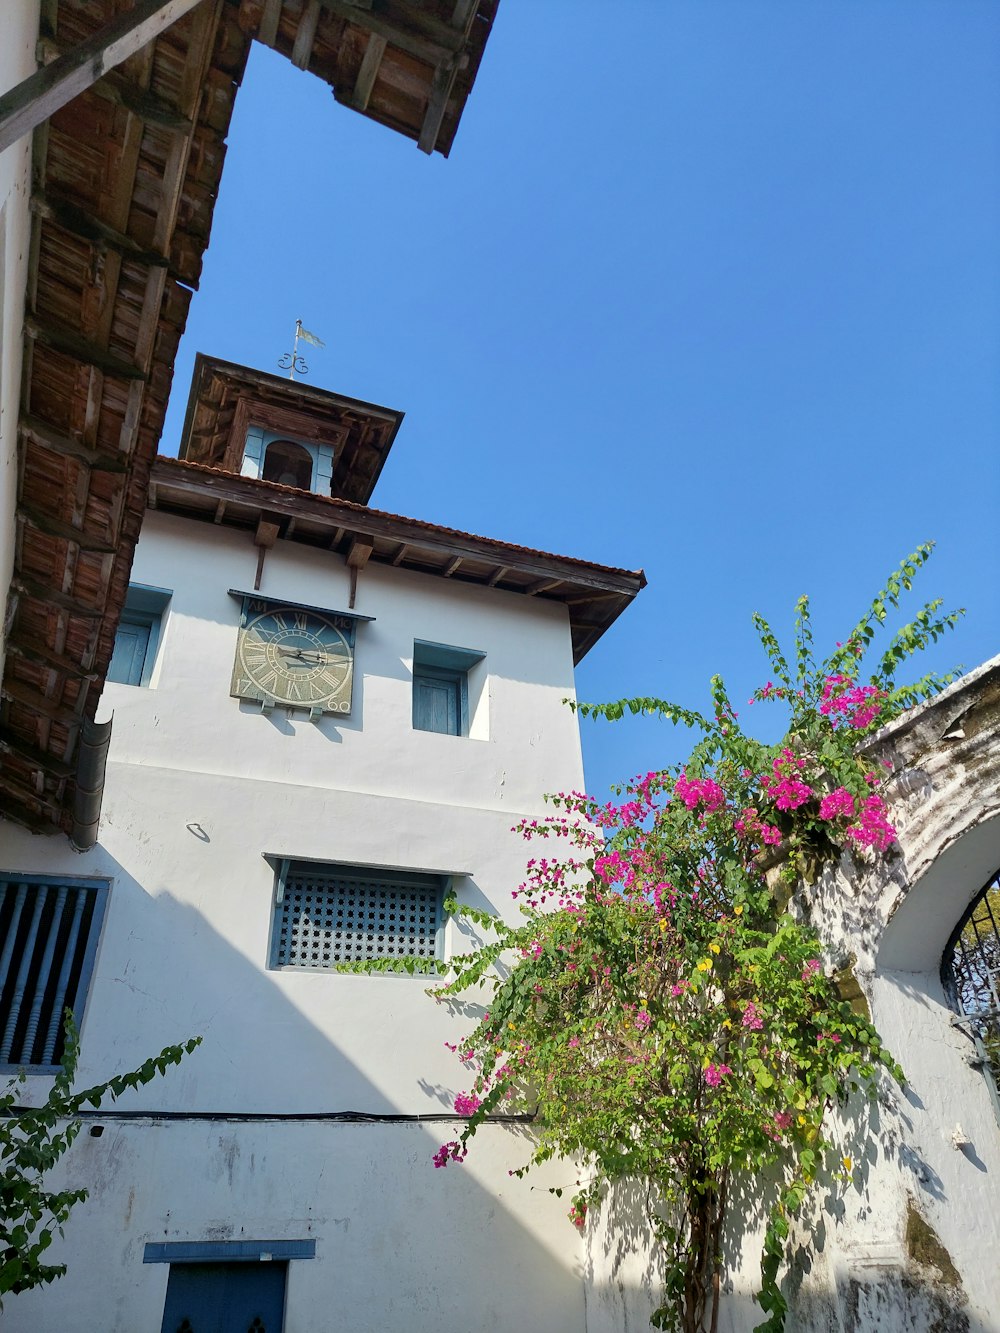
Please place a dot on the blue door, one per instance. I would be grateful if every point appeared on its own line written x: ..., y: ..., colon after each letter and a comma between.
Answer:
x: 225, y: 1298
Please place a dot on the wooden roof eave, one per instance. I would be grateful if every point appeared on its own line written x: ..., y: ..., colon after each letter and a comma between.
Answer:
x: 595, y: 595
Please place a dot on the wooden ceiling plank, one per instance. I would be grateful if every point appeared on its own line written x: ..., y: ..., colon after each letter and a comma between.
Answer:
x: 368, y: 72
x: 36, y: 430
x: 497, y: 575
x: 28, y: 697
x: 452, y: 566
x: 80, y: 349
x: 31, y: 756
x: 47, y: 90
x: 42, y: 592
x: 305, y: 35
x: 33, y: 650
x: 400, y: 555
x: 433, y: 43
x: 57, y: 527
x: 78, y: 222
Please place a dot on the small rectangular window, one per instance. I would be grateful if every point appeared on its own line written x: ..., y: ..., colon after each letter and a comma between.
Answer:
x: 441, y: 687
x: 328, y: 914
x: 49, y: 930
x: 138, y: 635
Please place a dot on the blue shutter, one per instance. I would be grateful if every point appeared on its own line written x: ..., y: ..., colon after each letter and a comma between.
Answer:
x: 129, y: 656
x: 436, y: 704
x: 224, y: 1298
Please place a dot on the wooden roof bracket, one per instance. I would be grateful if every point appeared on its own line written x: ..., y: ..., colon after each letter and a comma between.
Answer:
x: 264, y: 538
x: 358, y: 555
x: 52, y: 86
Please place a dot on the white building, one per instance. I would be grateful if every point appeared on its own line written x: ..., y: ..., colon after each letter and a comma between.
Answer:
x: 402, y: 708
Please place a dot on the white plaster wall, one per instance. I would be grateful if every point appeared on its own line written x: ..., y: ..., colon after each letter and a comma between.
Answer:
x: 199, y: 787
x: 399, y: 1245
x: 524, y: 742
x: 18, y: 34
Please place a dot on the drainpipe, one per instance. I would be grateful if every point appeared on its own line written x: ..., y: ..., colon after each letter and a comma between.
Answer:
x: 95, y: 738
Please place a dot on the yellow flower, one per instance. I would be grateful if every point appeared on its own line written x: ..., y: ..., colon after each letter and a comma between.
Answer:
x: 663, y: 924
x: 714, y: 948
x: 848, y: 1163
x: 705, y: 965
x: 802, y: 1120
x: 738, y: 910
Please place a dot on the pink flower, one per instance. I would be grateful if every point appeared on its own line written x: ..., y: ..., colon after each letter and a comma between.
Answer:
x: 811, y: 968
x: 450, y: 1152
x: 643, y: 1020
x: 783, y: 1120
x: 699, y: 791
x: 714, y: 1074
x: 872, y: 827
x: 467, y: 1103
x: 771, y: 834
x: 574, y: 1042
x: 839, y: 802
x: 752, y: 1018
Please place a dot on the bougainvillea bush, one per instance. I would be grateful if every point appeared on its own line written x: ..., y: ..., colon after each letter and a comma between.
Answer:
x: 666, y: 1020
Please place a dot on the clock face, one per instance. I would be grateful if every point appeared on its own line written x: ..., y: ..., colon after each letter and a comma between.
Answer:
x: 296, y: 657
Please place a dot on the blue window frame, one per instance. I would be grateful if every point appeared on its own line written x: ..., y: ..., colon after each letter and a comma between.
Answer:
x: 138, y: 635
x: 49, y: 930
x: 441, y: 687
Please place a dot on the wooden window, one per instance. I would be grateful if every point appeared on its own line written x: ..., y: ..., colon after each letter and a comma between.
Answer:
x: 327, y: 914
x: 441, y: 687
x: 138, y: 635
x: 49, y: 930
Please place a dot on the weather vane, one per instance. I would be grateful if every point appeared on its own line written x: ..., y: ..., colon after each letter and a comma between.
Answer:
x: 291, y: 361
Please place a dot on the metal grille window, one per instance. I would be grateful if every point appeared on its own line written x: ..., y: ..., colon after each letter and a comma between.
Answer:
x: 327, y: 914
x: 971, y: 974
x: 48, y: 937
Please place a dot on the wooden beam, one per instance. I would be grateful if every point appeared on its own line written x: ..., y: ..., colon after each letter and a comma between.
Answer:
x: 114, y: 87
x: 441, y: 86
x: 40, y: 433
x: 368, y: 72
x: 543, y: 585
x: 81, y: 349
x: 305, y: 35
x: 52, y: 86
x: 56, y: 527
x: 268, y: 30
x: 35, y: 758
x: 41, y: 592
x: 80, y: 223
x: 400, y: 555
x: 496, y: 576
x: 220, y: 510
x: 428, y: 39
x: 452, y: 566
x: 40, y: 655
x: 28, y: 697
x: 359, y: 552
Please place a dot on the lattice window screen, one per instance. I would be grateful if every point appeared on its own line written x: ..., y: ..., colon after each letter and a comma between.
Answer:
x: 328, y: 915
x: 48, y: 937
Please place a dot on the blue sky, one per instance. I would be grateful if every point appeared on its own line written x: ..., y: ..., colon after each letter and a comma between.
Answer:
x: 710, y: 287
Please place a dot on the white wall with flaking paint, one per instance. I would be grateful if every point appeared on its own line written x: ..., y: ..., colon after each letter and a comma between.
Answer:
x: 17, y: 60
x: 200, y: 787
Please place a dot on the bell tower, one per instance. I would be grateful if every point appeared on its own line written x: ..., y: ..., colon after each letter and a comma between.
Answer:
x: 259, y: 425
